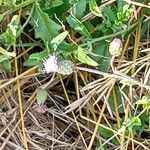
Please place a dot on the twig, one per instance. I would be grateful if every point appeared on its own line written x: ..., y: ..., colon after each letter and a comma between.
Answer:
x: 116, y: 74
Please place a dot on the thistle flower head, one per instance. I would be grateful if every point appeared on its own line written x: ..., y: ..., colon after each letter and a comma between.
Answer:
x: 50, y: 64
x: 115, y: 47
x: 66, y: 67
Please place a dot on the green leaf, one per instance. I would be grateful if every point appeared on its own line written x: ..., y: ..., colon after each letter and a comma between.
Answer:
x: 124, y: 12
x: 145, y: 117
x: 38, y: 56
x: 34, y: 59
x: 2, y: 15
x: 101, y: 49
x: 133, y: 121
x: 9, y: 54
x: 78, y: 26
x: 9, y: 37
x: 10, y: 3
x: 3, y: 57
x: 46, y: 29
x: 73, y: 1
x: 80, y: 8
x: 110, y: 13
x: 145, y: 102
x: 31, y: 62
x: 61, y: 10
x: 66, y: 48
x: 6, y: 65
x: 56, y: 3
x: 81, y: 55
x: 41, y: 96
x: 119, y: 100
x: 58, y: 39
x: 94, y: 8
x: 136, y: 121
x: 105, y: 133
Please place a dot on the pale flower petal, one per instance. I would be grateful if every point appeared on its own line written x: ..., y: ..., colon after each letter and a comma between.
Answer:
x: 51, y: 64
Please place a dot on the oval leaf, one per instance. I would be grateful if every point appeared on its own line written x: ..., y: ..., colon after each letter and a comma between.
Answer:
x: 94, y: 8
x: 6, y: 65
x: 58, y: 39
x: 81, y: 55
x: 34, y: 59
x: 46, y: 28
x: 10, y: 35
x: 77, y: 25
x: 41, y: 96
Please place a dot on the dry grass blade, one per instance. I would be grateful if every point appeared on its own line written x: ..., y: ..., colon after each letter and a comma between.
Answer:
x: 18, y: 77
x: 81, y: 102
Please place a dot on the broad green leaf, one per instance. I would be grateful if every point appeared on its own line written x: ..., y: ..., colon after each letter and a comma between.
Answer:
x: 78, y: 26
x: 81, y: 55
x: 41, y: 96
x: 105, y: 133
x: 9, y: 37
x: 31, y: 62
x: 80, y: 8
x: 110, y: 13
x: 56, y: 3
x: 58, y: 39
x: 61, y: 10
x: 94, y: 8
x: 66, y: 48
x: 101, y: 50
x: 46, y: 29
x: 38, y: 56
x: 3, y: 57
x: 6, y: 65
x: 119, y: 100
x: 34, y: 59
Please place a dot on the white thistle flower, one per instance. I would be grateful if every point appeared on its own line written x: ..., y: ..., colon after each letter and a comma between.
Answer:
x: 50, y: 64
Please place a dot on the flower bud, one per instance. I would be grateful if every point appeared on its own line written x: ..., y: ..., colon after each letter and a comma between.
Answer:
x: 115, y: 47
x: 66, y: 67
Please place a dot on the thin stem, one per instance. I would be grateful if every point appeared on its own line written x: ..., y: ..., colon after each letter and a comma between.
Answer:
x: 20, y: 104
x: 65, y: 92
x: 114, y: 34
x: 97, y: 126
x: 116, y: 74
